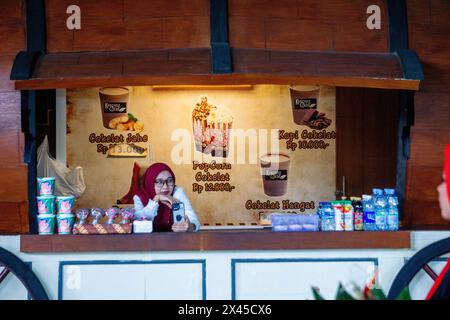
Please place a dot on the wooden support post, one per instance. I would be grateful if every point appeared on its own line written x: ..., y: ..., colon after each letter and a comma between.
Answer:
x: 220, y: 47
x: 398, y: 43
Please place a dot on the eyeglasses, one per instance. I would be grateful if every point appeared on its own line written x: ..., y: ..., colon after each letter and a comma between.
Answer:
x: 160, y: 182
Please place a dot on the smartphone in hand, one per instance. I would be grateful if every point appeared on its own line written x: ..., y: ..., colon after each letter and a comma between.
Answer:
x: 178, y: 212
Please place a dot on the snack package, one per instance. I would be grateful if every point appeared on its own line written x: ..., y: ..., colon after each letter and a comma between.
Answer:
x: 97, y: 215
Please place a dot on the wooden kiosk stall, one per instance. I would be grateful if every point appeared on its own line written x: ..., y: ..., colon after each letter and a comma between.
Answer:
x: 246, y: 57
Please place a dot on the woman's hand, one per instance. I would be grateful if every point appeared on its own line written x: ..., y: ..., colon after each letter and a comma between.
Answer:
x: 167, y: 200
x: 184, y: 226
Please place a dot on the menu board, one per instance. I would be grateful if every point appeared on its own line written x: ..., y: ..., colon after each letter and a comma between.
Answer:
x: 238, y: 152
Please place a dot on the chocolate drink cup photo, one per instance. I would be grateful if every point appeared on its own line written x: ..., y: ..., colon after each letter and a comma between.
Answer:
x: 274, y: 173
x: 303, y: 99
x: 113, y: 103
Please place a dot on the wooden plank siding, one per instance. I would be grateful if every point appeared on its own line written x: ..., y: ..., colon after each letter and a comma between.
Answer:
x: 13, y: 173
x: 429, y: 28
x: 333, y: 25
x: 118, y: 25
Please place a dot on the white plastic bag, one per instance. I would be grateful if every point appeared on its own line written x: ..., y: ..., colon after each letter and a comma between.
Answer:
x: 67, y: 182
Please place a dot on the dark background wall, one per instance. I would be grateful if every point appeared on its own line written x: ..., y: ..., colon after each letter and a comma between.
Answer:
x: 331, y: 25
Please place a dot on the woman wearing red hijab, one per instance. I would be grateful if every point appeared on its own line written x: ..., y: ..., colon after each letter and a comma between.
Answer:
x: 441, y: 287
x: 155, y: 199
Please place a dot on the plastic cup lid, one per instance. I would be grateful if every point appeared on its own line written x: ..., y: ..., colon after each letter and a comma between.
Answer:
x: 45, y: 215
x: 65, y: 215
x: 45, y: 197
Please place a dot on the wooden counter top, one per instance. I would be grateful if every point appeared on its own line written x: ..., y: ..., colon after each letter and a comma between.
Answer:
x: 216, y: 240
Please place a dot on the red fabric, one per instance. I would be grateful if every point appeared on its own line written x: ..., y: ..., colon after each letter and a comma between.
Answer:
x: 164, y: 219
x: 447, y: 169
x: 438, y: 281
x: 134, y: 187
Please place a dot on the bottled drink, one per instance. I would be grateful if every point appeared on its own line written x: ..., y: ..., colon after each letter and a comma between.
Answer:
x: 348, y: 215
x: 338, y: 215
x: 392, y: 209
x: 358, y: 214
x: 380, y: 205
x: 369, y: 213
x: 326, y: 214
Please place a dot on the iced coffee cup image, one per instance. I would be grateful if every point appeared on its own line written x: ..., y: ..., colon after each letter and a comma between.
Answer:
x: 303, y: 99
x: 113, y: 104
x: 275, y: 173
x: 305, y: 104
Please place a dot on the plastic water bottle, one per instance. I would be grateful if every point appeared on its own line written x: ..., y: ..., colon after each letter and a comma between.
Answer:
x: 392, y: 209
x: 380, y: 205
x: 326, y: 214
x: 368, y: 213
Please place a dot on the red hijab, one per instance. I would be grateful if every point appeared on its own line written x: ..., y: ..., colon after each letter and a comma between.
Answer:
x: 440, y: 288
x: 164, y: 219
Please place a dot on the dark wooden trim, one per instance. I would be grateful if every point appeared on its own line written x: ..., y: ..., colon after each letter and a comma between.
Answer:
x: 406, y: 120
x: 411, y: 66
x: 216, y: 240
x: 36, y: 36
x: 23, y: 68
x: 24, y: 64
x: 412, y: 69
x: 398, y: 25
x: 28, y: 116
x: 220, y: 47
x: 36, y: 30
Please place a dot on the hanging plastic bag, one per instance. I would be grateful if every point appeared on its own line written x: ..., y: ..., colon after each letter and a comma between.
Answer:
x: 67, y: 182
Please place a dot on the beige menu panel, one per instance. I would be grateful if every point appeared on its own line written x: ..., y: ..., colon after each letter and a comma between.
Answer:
x: 239, y: 152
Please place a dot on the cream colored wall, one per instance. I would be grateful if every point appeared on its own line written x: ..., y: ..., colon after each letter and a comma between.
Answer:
x: 312, y: 173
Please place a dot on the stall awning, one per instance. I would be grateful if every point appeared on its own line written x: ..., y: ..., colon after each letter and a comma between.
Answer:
x: 194, y: 67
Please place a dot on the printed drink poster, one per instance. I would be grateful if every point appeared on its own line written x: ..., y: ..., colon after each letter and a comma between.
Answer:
x: 239, y: 152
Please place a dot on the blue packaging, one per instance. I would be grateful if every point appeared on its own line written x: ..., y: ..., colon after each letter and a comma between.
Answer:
x: 368, y: 213
x: 326, y: 215
x: 295, y: 222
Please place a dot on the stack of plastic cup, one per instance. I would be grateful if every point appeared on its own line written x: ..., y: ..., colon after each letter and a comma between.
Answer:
x: 65, y: 217
x: 46, y: 205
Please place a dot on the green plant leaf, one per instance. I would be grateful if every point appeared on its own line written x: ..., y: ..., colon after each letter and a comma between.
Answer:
x: 131, y: 117
x: 342, y: 294
x: 404, y: 294
x: 378, y: 294
x: 316, y: 293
